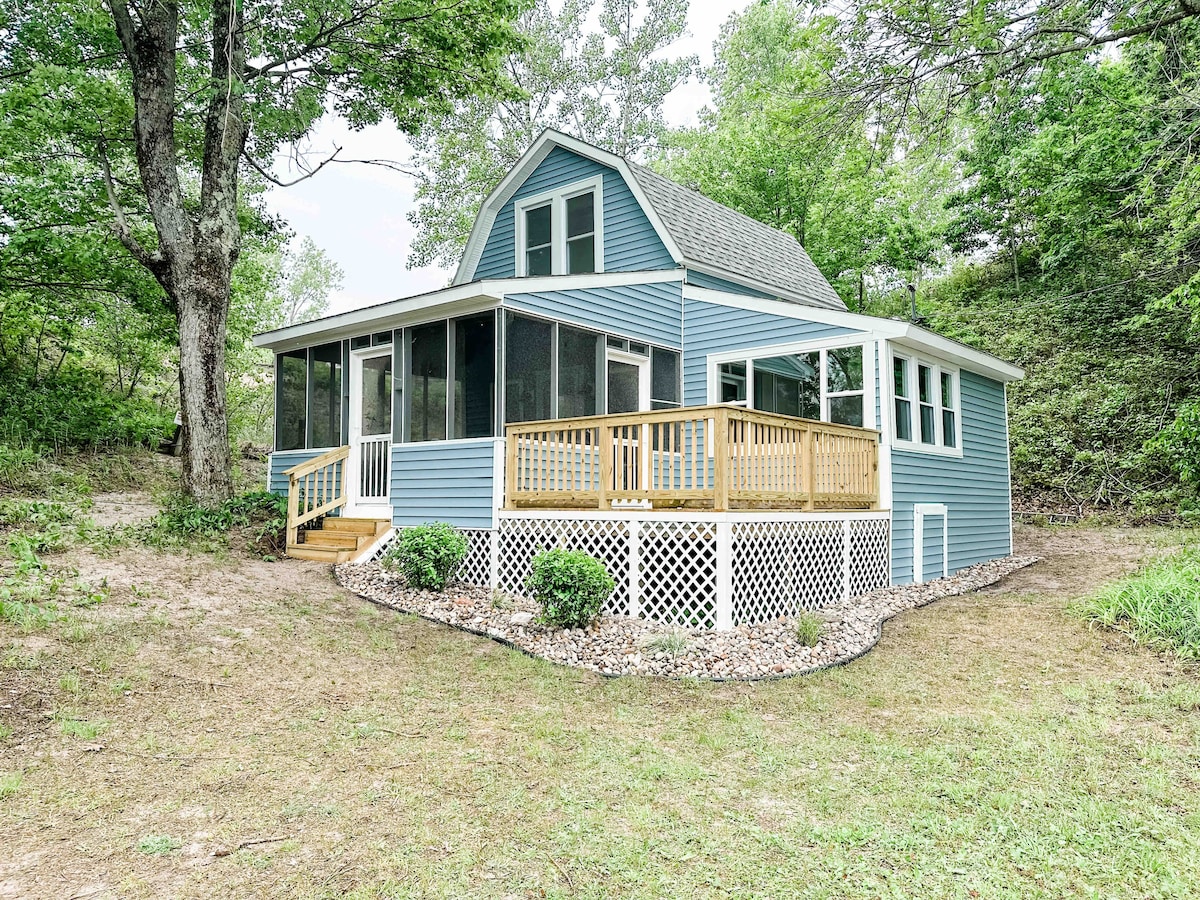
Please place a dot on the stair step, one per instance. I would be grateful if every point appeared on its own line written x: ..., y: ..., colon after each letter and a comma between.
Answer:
x: 357, y: 526
x: 335, y: 540
x: 319, y: 554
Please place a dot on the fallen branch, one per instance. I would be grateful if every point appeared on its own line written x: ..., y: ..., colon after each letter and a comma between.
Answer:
x: 244, y: 844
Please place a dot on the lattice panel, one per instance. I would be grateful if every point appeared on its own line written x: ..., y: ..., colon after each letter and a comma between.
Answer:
x: 476, y: 566
x: 678, y: 573
x: 781, y: 568
x: 522, y: 539
x: 870, y: 555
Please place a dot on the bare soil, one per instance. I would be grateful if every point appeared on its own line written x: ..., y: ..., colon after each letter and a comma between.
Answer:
x: 221, y: 726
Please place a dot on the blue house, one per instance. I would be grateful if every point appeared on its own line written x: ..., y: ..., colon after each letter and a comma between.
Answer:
x: 624, y: 366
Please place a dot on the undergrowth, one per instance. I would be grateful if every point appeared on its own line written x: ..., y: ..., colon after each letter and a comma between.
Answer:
x: 1159, y: 606
x: 258, y: 517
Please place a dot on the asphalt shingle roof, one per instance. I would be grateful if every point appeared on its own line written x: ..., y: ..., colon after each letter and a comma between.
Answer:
x: 711, y: 234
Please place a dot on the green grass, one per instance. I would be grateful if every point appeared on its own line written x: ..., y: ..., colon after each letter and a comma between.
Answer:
x: 1158, y: 607
x: 808, y: 629
x: 674, y: 644
x: 158, y: 844
x: 10, y: 783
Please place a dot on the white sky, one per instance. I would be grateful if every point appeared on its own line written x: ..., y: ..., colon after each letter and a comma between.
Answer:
x: 356, y: 213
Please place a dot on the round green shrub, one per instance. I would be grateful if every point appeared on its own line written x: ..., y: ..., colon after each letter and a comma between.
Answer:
x: 570, y: 586
x: 427, y: 555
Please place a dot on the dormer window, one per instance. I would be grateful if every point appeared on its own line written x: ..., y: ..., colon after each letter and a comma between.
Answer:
x: 561, y: 232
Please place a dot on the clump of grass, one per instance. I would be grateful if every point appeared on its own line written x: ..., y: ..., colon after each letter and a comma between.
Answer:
x: 675, y: 644
x: 158, y: 844
x: 1158, y: 606
x: 86, y: 730
x: 808, y: 629
x: 10, y: 783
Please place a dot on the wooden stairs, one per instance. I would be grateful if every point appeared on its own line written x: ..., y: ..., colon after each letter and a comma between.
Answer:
x: 337, y: 539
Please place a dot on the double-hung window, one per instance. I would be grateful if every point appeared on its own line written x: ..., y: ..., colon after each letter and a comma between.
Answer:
x: 925, y: 405
x: 561, y: 232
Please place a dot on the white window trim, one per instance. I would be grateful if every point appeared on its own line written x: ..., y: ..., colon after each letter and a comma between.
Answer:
x: 557, y: 199
x: 749, y: 355
x: 914, y: 404
x: 642, y: 363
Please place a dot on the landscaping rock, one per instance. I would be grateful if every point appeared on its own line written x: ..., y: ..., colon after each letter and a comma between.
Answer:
x: 616, y: 645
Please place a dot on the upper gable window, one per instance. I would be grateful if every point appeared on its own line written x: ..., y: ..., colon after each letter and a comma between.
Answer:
x: 561, y: 232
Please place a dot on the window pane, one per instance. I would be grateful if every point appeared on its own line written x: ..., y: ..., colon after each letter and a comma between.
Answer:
x: 376, y: 414
x: 537, y: 226
x: 925, y: 383
x: 845, y: 369
x: 427, y: 383
x: 664, y: 375
x: 903, y: 420
x: 537, y: 262
x: 581, y: 215
x: 381, y: 338
x: 578, y: 363
x: 900, y: 374
x: 359, y: 343
x: 624, y: 383
x: 928, y: 435
x: 527, y: 388
x: 947, y: 390
x: 581, y: 255
x: 325, y: 396
x: 949, y: 437
x: 291, y: 374
x: 474, y: 376
x: 846, y: 410
x: 732, y: 382
x: 790, y: 385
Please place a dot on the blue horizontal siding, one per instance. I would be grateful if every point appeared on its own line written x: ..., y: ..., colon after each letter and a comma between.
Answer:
x: 440, y: 481
x: 699, y: 279
x: 278, y: 463
x: 630, y: 242
x: 714, y: 328
x: 644, y: 312
x: 974, y: 488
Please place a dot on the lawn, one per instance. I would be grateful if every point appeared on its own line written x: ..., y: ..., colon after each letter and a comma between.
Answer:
x: 217, y: 726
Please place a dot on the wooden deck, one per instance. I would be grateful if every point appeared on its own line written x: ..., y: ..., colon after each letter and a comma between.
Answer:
x: 700, y: 457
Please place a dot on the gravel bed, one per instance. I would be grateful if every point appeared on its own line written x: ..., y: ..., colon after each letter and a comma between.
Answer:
x: 618, y: 645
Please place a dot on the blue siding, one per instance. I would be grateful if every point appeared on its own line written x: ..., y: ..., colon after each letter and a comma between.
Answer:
x: 442, y: 482
x: 975, y: 488
x: 630, y: 242
x: 713, y: 328
x: 699, y: 279
x: 278, y: 463
x: 645, y: 312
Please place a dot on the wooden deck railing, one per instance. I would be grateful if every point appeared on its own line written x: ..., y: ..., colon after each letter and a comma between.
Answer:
x: 712, y: 457
x: 315, y: 488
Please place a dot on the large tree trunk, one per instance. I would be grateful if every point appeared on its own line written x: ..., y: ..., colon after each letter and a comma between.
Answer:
x: 197, y: 247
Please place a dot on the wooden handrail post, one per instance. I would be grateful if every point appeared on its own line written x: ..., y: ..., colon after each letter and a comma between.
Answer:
x: 808, y: 481
x: 721, y: 443
x: 293, y: 530
x: 607, y: 435
x: 512, y: 445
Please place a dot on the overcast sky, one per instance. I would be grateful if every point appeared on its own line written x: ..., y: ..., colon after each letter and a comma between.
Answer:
x: 356, y: 213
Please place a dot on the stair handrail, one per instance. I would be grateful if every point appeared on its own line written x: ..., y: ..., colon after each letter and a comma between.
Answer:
x: 315, y: 488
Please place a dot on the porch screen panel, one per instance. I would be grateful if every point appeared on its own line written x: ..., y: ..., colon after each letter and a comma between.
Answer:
x: 376, y: 416
x: 579, y: 362
x: 291, y: 383
x: 325, y: 396
x: 528, y: 349
x: 427, y: 383
x: 664, y: 379
x: 475, y: 376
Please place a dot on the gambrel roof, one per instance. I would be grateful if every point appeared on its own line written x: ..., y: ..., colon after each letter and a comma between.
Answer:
x: 699, y: 233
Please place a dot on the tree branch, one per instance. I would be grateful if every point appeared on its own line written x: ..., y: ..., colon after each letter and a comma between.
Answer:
x: 121, y: 225
x: 278, y: 183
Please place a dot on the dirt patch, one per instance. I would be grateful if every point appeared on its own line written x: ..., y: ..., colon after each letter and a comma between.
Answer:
x: 1074, y: 561
x: 120, y: 509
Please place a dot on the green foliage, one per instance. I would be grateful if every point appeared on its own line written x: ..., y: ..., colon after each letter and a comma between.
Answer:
x: 808, y: 629
x: 10, y: 783
x: 261, y: 515
x: 427, y: 555
x: 1158, y: 607
x: 36, y: 513
x: 674, y: 644
x: 570, y: 586
x: 158, y: 844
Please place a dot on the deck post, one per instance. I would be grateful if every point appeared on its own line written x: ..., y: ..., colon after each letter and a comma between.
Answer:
x: 721, y: 442
x: 635, y: 568
x: 809, y: 472
x: 606, y: 437
x: 293, y: 530
x: 724, y: 575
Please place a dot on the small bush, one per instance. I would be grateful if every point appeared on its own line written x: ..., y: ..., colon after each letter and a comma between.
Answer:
x: 1159, y: 606
x: 570, y: 586
x: 673, y: 645
x: 427, y: 555
x: 808, y: 629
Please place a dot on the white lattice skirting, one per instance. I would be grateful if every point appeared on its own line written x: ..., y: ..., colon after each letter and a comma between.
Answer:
x: 699, y: 570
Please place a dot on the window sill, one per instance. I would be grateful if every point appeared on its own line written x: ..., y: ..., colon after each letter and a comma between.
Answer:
x: 927, y: 449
